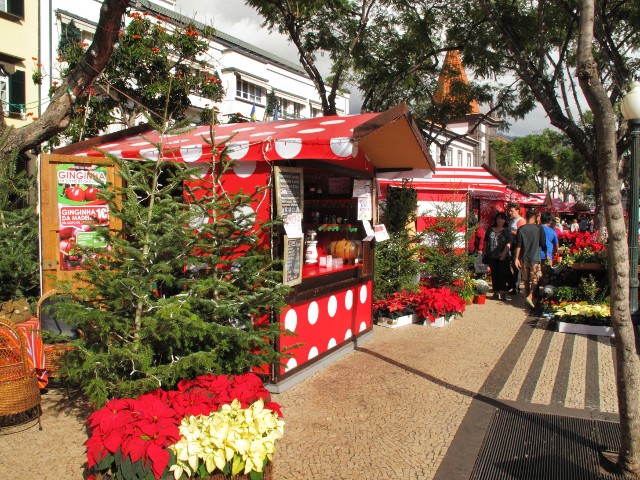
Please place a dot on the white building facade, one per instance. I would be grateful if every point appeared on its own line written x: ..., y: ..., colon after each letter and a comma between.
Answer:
x: 248, y: 73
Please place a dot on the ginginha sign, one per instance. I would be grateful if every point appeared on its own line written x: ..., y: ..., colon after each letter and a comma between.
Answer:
x: 82, y: 176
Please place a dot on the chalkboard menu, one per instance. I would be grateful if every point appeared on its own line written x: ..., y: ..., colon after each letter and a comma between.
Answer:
x: 289, y: 188
x: 293, y: 250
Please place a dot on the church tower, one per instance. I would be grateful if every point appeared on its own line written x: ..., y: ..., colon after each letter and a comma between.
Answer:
x: 453, y: 84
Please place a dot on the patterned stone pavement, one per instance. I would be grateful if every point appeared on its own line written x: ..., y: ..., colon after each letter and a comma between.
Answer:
x: 403, y: 406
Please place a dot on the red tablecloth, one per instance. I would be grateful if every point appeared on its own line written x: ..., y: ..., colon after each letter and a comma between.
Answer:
x: 35, y: 349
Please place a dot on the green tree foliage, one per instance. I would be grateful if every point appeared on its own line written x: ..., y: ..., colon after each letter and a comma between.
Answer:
x: 272, y: 103
x: 396, y: 260
x: 532, y: 47
x: 151, y: 58
x: 183, y: 289
x: 69, y: 40
x: 444, y: 249
x: 318, y: 28
x: 19, y: 272
x: 541, y: 162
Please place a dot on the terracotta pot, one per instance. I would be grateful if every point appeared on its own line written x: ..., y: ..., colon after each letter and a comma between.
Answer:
x: 480, y: 299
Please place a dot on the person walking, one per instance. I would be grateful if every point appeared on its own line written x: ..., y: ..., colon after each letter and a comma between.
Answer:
x: 513, y: 283
x: 497, y: 250
x: 476, y: 239
x: 574, y: 226
x: 550, y: 251
x: 529, y: 240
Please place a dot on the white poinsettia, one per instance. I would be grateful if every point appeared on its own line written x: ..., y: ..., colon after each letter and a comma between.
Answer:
x: 243, y: 438
x: 582, y: 309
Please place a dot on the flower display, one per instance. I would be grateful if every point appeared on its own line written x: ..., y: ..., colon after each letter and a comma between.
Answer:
x: 133, y: 438
x: 582, y: 247
x: 439, y: 302
x: 480, y: 287
x: 583, y: 312
x: 428, y: 303
x: 231, y: 440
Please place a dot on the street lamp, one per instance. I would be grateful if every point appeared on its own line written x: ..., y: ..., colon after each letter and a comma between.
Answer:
x: 630, y: 108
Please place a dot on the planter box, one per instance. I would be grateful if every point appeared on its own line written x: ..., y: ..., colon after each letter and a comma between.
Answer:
x: 588, y: 266
x: 438, y: 322
x: 582, y: 329
x: 397, y: 322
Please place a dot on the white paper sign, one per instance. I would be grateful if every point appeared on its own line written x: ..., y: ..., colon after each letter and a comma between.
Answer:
x: 381, y: 232
x: 293, y: 225
x: 361, y: 188
x: 368, y: 230
x: 364, y: 208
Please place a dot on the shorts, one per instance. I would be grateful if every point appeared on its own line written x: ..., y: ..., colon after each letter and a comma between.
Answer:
x: 531, y: 273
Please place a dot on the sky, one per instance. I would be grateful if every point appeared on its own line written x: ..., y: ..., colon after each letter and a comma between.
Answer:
x: 235, y: 18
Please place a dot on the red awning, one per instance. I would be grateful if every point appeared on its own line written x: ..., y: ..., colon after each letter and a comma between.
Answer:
x: 388, y: 139
x: 480, y: 182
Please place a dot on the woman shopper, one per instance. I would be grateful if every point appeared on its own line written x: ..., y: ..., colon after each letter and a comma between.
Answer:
x: 497, y: 246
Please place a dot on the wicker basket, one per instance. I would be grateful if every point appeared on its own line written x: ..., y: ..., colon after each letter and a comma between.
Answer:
x: 53, y: 352
x: 18, y: 384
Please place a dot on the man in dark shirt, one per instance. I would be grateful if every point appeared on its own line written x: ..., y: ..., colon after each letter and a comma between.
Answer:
x: 529, y: 240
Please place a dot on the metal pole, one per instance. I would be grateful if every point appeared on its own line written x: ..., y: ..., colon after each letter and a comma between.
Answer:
x: 634, y: 125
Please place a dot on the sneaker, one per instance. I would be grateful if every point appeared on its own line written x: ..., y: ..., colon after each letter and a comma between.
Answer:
x: 503, y: 296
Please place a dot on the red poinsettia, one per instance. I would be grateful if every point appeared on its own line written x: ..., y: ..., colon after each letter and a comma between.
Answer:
x: 439, y: 302
x: 576, y: 241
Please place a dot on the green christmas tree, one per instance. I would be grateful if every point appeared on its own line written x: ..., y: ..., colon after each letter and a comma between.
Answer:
x: 186, y: 286
x: 396, y: 260
x: 19, y: 270
x: 444, y: 249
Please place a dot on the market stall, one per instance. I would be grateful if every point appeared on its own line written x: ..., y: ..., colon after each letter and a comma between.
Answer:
x: 480, y: 190
x: 321, y: 171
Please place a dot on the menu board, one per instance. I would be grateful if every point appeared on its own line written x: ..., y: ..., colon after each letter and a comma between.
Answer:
x: 293, y: 250
x: 289, y: 188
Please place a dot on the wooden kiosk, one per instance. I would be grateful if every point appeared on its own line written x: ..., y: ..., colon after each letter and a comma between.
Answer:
x: 322, y: 172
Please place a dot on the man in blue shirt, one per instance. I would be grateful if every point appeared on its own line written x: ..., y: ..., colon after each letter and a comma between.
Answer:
x: 548, y: 253
x: 529, y: 241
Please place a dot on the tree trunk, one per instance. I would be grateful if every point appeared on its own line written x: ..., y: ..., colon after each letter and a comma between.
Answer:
x: 56, y: 117
x: 628, y: 380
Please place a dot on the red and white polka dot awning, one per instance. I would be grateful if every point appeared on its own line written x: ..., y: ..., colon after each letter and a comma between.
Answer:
x: 388, y: 138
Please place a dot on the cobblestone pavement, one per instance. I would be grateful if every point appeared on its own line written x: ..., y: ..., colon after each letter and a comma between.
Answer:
x: 389, y: 410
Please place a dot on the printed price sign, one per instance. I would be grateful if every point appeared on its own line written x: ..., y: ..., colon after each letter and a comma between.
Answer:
x: 289, y: 196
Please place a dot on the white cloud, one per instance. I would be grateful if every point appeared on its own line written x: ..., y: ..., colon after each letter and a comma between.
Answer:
x: 235, y: 18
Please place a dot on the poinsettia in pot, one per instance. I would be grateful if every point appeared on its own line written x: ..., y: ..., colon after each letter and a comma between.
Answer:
x: 212, y: 425
x: 439, y: 305
x: 398, y: 305
x: 583, y: 318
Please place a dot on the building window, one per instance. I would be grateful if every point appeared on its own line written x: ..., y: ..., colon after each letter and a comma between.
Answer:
x: 289, y: 109
x: 449, y: 157
x: 4, y: 88
x: 12, y: 92
x: 469, y: 161
x: 316, y: 112
x: 14, y: 7
x: 459, y: 158
x: 249, y: 91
